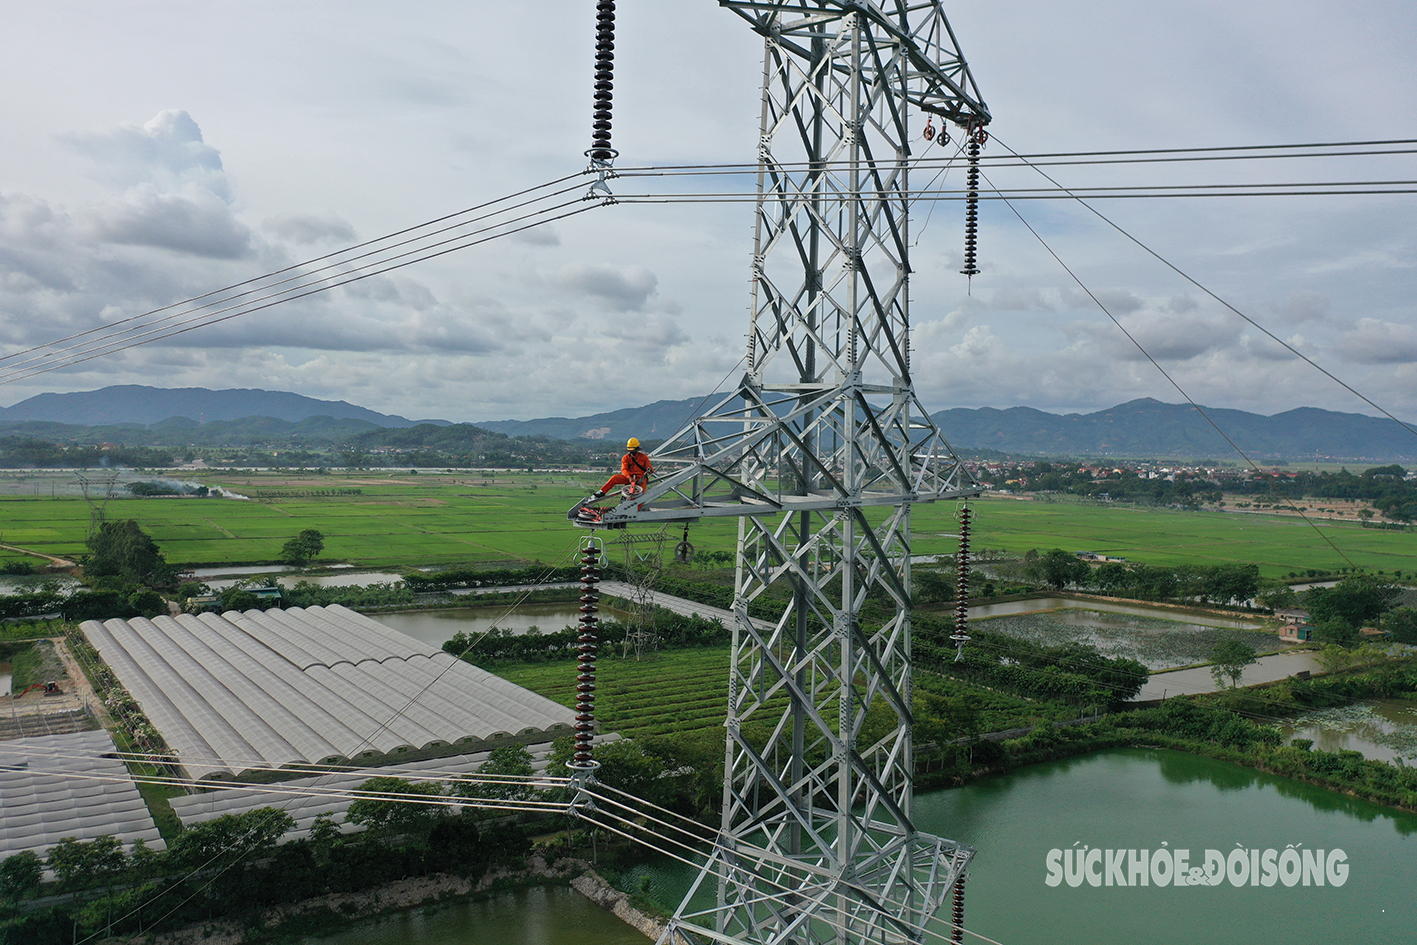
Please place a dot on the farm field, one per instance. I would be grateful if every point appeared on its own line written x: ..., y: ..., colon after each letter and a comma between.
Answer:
x: 681, y: 692
x: 1170, y: 537
x: 401, y: 519
x: 451, y: 518
x: 673, y: 692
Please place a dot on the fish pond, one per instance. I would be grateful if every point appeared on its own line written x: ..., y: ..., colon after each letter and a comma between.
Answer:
x: 1159, y: 642
x: 436, y: 627
x: 1170, y: 805
x: 1382, y: 729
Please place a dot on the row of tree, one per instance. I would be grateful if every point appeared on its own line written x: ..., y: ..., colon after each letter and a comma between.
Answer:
x: 29, y: 452
x: 1220, y: 584
x: 236, y: 864
x: 1385, y: 488
x: 671, y: 631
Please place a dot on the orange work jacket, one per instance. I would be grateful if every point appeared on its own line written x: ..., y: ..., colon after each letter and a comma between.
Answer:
x: 635, y: 464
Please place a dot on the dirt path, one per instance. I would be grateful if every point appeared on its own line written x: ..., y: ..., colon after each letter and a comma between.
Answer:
x: 79, y: 685
x: 61, y: 562
x: 37, y: 713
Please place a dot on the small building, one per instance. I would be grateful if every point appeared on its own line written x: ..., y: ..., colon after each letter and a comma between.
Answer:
x: 203, y: 604
x: 266, y: 598
x: 1296, y: 631
x: 269, y: 596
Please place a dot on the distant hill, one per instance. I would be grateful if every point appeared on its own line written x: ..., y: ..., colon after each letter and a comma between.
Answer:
x: 1146, y: 427
x: 656, y: 421
x: 1140, y: 428
x: 132, y: 403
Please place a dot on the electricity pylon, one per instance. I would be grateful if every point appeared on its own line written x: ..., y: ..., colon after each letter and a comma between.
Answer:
x: 820, y: 453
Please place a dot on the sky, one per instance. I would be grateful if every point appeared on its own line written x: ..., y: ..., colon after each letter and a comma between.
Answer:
x: 155, y: 150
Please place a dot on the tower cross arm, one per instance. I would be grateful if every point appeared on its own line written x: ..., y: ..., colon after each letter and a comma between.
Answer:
x: 939, y: 80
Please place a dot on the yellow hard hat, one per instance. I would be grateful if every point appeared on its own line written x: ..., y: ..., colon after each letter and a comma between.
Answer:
x: 633, y: 444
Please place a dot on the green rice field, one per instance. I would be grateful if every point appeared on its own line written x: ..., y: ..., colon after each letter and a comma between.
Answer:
x: 445, y: 518
x: 677, y: 691
x: 1163, y: 536
x: 682, y: 692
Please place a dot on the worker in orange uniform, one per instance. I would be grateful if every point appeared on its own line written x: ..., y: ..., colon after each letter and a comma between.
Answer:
x: 635, y: 468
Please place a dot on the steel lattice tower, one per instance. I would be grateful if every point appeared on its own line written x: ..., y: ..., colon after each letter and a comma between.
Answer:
x: 821, y: 452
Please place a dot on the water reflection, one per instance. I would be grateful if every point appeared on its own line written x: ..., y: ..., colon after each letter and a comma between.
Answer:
x: 1177, y: 768
x: 202, y: 574
x: 1139, y: 799
x: 355, y: 579
x: 1143, y: 799
x: 1193, y: 681
x: 436, y: 627
x: 29, y: 584
x: 1123, y: 799
x: 551, y: 915
x: 1046, y: 604
x: 1380, y: 729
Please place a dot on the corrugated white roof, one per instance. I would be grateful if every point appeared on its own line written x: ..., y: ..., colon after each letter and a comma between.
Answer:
x: 239, y: 692
x: 57, y: 786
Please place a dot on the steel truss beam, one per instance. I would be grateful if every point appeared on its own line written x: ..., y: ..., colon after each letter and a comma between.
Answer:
x: 820, y: 453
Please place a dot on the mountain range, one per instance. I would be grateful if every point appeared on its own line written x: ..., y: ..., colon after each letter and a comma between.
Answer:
x: 134, y: 403
x: 1138, y: 429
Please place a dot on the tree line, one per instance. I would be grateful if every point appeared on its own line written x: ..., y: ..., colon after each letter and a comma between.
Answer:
x: 1385, y: 488
x: 236, y: 865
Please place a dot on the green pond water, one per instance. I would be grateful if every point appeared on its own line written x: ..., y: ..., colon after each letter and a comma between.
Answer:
x: 436, y: 627
x: 1150, y: 800
x: 1382, y: 729
x: 553, y: 915
x: 1127, y: 799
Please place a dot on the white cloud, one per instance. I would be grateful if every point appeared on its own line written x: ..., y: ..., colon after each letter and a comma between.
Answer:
x: 1304, y: 306
x: 619, y: 289
x: 545, y: 235
x: 307, y: 228
x: 1371, y: 341
x: 167, y: 151
x: 195, y: 221
x: 408, y: 113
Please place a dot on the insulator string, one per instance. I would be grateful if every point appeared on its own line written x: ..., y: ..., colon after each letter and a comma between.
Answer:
x: 600, y: 149
x: 586, y: 652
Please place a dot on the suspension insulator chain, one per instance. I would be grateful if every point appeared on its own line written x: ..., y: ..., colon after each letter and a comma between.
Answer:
x: 961, y: 636
x: 600, y: 149
x: 977, y: 136
x: 957, y: 920
x: 585, y: 666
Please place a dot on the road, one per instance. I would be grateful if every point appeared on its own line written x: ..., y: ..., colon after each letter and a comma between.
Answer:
x: 61, y: 562
x: 625, y: 591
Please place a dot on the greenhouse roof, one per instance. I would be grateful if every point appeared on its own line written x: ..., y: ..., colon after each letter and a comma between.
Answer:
x: 240, y: 694
x: 57, y: 786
